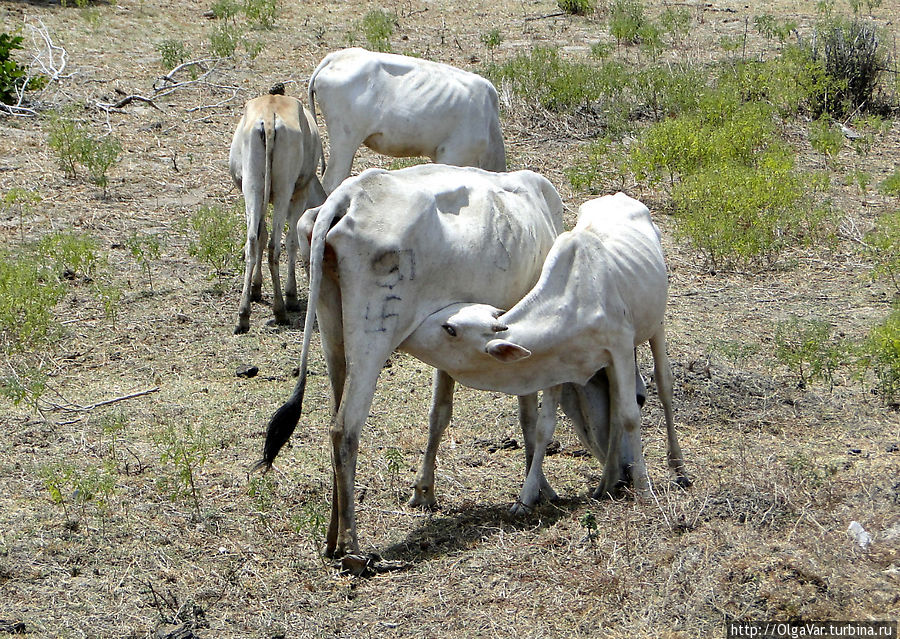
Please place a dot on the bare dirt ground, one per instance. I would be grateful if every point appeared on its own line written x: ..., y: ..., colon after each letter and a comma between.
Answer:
x: 780, y: 471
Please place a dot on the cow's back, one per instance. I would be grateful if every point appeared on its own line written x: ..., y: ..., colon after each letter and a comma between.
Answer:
x: 424, y: 237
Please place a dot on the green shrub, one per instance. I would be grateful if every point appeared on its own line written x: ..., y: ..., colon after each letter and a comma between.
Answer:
x: 809, y: 350
x: 853, y: 59
x: 668, y: 90
x: 224, y: 39
x: 770, y: 28
x: 883, y: 247
x: 216, y: 238
x: 261, y: 13
x: 71, y: 255
x: 492, y: 39
x: 891, y: 184
x: 144, y: 248
x: 186, y: 449
x: 225, y: 9
x: 677, y: 22
x: 626, y: 17
x: 739, y: 216
x: 172, y: 53
x: 20, y: 200
x: 28, y: 293
x: 577, y: 7
x: 378, y: 27
x: 542, y: 77
x: 74, y: 146
x: 825, y: 138
x: 881, y: 353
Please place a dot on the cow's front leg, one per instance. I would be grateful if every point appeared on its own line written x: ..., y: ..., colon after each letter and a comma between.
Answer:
x: 438, y: 420
x: 624, y: 429
x: 535, y: 482
x: 251, y: 291
x: 528, y: 421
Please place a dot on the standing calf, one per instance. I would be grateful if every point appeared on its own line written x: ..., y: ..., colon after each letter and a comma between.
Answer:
x: 403, y: 107
x: 275, y: 153
x: 602, y: 292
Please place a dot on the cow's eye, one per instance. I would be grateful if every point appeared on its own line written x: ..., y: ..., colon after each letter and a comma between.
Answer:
x: 450, y: 330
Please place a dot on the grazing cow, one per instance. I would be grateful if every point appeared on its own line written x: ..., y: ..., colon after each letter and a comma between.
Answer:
x: 275, y: 153
x: 403, y: 107
x: 602, y: 292
x: 389, y: 248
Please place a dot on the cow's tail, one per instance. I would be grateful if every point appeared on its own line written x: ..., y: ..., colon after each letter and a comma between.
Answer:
x: 311, y: 89
x: 285, y: 419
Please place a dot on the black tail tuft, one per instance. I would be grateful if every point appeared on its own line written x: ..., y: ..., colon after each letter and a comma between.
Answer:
x: 281, y: 426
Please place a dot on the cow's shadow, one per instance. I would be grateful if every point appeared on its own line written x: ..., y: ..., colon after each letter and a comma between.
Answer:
x: 466, y: 527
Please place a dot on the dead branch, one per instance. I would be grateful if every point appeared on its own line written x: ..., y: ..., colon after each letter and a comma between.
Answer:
x: 549, y: 15
x: 127, y: 100
x: 74, y: 408
x: 51, y: 58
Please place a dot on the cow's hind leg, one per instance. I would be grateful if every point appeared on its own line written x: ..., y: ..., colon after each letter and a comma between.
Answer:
x: 663, y: 374
x: 438, y: 420
x: 256, y: 233
x: 280, y: 212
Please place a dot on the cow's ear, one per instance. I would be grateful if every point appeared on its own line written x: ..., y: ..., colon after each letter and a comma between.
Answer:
x: 506, y: 352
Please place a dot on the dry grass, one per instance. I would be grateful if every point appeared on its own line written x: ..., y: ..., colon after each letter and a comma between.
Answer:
x: 780, y: 472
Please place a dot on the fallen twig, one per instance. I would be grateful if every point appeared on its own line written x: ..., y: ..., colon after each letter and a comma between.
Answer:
x: 74, y: 408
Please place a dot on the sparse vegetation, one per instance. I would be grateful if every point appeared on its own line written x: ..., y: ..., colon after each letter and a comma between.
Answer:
x: 883, y: 248
x: 809, y: 350
x: 779, y: 470
x: 577, y: 7
x: 378, y: 27
x: 172, y: 53
x: 144, y: 248
x: 75, y: 146
x: 215, y: 238
x: 185, y: 449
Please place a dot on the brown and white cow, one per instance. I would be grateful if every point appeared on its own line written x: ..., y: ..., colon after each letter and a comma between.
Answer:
x: 275, y: 153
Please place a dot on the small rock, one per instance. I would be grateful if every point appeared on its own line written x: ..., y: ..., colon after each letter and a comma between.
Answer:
x: 859, y: 534
x: 247, y: 370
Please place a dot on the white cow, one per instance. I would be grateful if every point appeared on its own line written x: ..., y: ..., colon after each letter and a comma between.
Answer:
x: 402, y: 107
x: 389, y: 248
x: 602, y: 292
x: 275, y: 152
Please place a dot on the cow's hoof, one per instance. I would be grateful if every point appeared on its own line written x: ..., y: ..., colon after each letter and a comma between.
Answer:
x: 240, y: 329
x: 683, y: 481
x: 521, y: 509
x: 293, y: 305
x: 423, y: 498
x: 256, y: 295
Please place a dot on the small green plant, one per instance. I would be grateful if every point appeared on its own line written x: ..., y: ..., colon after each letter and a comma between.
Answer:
x: 627, y: 22
x: 13, y: 76
x: 29, y: 291
x: 75, y: 146
x: 20, y: 200
x: 144, y: 248
x: 577, y: 7
x: 262, y: 491
x: 677, y: 22
x: 891, y: 184
x: 492, y: 39
x: 394, y: 460
x: 378, y: 27
x: 215, y: 238
x: 312, y: 522
x: 225, y: 9
x: 825, y: 138
x: 883, y: 248
x: 71, y: 255
x: 24, y: 386
x: 186, y: 449
x: 224, y: 39
x: 809, y: 350
x: 70, y: 486
x: 881, y: 353
x: 261, y: 13
x: 770, y: 28
x: 172, y: 53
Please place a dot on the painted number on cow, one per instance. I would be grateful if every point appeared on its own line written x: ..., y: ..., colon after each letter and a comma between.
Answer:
x: 390, y: 269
